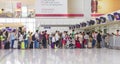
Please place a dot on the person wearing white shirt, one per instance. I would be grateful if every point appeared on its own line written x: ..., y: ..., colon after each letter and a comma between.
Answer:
x: 86, y: 37
x: 80, y: 37
x: 63, y: 35
x: 20, y: 38
x: 53, y: 39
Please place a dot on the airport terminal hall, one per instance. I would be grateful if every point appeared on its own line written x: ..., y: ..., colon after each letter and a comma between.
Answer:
x: 59, y: 31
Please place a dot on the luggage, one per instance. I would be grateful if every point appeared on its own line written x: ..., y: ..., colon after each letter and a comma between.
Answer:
x: 77, y: 44
x: 0, y: 45
x: 16, y: 44
x: 52, y: 45
x: 7, y: 45
x: 22, y: 45
x: 71, y: 46
x: 19, y: 45
x: 89, y: 44
x: 31, y: 45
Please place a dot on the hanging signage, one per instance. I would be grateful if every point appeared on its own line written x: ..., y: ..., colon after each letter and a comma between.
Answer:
x: 92, y: 22
x: 83, y: 24
x: 102, y: 19
x: 110, y: 17
x: 117, y: 16
x: 98, y: 21
x: 88, y: 23
x: 77, y: 26
x: 47, y: 27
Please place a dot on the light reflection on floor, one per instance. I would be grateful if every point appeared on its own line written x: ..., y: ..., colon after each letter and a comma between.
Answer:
x: 60, y: 56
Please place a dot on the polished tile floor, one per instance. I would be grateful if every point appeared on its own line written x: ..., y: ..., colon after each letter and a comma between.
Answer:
x: 60, y: 56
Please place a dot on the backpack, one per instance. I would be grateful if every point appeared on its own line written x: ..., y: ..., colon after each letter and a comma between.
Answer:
x: 24, y: 36
x: 33, y: 37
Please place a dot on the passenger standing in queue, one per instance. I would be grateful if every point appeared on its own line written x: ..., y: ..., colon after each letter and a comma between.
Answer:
x: 44, y: 41
x: 12, y: 38
x: 36, y: 42
x: 20, y: 40
x: 86, y: 38
x: 99, y: 39
x: 26, y: 37
x: 47, y: 37
x: 73, y: 34
x: 57, y: 38
x: 94, y: 41
x: 1, y: 38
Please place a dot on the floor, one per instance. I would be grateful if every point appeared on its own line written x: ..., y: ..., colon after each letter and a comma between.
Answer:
x: 60, y: 56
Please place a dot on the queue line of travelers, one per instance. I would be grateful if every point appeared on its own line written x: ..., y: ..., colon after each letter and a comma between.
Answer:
x: 28, y: 40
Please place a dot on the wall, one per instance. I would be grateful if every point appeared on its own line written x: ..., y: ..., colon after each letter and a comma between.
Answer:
x: 74, y: 7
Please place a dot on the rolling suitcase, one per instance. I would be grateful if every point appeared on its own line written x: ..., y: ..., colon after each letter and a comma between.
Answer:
x: 19, y: 45
x: 31, y: 45
x: 71, y: 46
x: 7, y: 45
x: 16, y: 44
x: 0, y: 45
x: 22, y: 45
x: 52, y: 45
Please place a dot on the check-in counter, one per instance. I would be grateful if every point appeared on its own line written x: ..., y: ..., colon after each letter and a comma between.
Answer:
x: 114, y: 42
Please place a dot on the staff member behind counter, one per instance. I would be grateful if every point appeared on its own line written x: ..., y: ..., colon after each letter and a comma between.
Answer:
x: 117, y: 33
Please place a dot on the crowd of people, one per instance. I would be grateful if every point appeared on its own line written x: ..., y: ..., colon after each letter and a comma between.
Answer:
x: 28, y: 40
